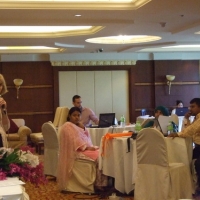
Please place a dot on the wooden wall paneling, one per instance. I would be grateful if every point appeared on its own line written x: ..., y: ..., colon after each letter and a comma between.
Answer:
x: 185, y: 72
x: 35, y: 103
x: 144, y: 87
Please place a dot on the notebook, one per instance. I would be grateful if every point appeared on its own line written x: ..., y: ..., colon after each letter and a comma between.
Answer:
x: 181, y: 111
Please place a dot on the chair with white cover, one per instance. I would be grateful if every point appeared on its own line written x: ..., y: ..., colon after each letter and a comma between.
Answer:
x: 83, y: 174
x: 51, y: 148
x: 156, y: 178
x: 59, y: 119
x: 83, y: 177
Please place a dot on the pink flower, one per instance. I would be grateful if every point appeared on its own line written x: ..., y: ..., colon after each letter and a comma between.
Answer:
x: 2, y: 175
x: 14, y: 169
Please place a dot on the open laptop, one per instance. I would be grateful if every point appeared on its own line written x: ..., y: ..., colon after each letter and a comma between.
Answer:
x: 181, y: 111
x: 105, y: 120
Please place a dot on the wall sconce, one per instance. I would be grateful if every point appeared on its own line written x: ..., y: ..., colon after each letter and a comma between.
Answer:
x: 18, y: 82
x: 170, y: 78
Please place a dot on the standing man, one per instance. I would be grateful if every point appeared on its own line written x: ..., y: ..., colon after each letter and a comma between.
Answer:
x: 193, y: 130
x: 86, y: 113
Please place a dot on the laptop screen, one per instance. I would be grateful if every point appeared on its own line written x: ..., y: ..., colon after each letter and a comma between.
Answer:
x: 181, y: 111
x: 106, y: 119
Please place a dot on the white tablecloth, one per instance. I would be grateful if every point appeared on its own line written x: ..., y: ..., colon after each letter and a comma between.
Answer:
x: 11, y: 189
x: 123, y: 166
x: 97, y: 133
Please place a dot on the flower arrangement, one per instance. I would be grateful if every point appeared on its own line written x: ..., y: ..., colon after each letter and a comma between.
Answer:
x: 22, y: 163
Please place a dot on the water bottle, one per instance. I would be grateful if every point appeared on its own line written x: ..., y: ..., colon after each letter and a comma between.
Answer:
x: 122, y: 121
x: 169, y: 128
x: 138, y: 127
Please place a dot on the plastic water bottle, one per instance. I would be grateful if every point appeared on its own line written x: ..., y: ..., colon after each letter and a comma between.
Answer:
x: 122, y: 121
x: 169, y: 128
x: 138, y: 127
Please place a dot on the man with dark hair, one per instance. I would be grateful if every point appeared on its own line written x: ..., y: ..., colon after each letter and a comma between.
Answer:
x: 86, y: 113
x: 193, y: 130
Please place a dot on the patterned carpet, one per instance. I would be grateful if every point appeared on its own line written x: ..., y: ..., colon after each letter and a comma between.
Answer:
x: 50, y: 191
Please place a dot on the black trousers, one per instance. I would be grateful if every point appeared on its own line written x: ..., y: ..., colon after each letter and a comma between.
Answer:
x: 196, y: 155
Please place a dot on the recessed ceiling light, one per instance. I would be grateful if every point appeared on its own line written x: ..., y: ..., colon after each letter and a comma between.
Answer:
x: 78, y: 15
x: 123, y: 39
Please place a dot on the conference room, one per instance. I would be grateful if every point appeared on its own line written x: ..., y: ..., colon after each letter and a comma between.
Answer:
x: 121, y: 78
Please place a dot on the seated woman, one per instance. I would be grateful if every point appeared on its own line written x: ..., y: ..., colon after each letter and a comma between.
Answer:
x: 75, y: 142
x: 179, y: 104
x: 160, y: 110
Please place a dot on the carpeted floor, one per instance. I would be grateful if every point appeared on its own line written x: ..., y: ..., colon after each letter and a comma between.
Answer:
x: 50, y: 191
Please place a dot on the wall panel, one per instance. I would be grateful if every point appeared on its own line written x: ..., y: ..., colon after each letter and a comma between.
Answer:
x: 85, y: 88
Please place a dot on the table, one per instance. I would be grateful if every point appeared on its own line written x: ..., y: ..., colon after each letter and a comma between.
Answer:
x: 12, y: 189
x: 97, y: 133
x: 123, y: 166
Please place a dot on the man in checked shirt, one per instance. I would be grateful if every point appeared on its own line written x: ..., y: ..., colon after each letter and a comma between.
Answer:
x: 193, y: 130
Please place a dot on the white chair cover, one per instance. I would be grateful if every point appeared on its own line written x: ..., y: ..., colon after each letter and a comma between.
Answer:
x: 83, y: 177
x: 51, y: 148
x: 156, y: 178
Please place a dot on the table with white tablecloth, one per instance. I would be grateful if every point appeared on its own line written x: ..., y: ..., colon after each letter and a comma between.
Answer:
x: 12, y: 189
x: 97, y: 133
x: 122, y: 166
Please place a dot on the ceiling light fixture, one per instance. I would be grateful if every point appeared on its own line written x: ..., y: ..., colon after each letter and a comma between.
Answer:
x: 184, y: 46
x: 46, y: 31
x: 74, y: 4
x: 30, y: 49
x: 123, y: 39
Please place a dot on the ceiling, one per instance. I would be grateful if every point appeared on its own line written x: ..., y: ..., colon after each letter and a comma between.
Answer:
x: 175, y: 21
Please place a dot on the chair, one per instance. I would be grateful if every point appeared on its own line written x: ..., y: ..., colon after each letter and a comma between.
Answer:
x: 51, y: 148
x: 59, y: 119
x: 157, y: 178
x: 19, y: 139
x: 83, y: 175
x: 143, y: 112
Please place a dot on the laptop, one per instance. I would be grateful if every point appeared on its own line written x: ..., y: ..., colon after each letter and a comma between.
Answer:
x: 181, y: 111
x: 105, y: 120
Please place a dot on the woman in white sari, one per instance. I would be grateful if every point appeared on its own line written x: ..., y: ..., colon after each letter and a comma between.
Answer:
x: 4, y: 121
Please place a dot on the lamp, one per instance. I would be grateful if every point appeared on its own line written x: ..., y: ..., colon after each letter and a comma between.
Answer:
x: 18, y: 82
x: 170, y: 78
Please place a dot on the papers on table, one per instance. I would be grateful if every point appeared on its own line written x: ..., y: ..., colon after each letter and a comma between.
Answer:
x: 10, y: 187
x: 10, y: 182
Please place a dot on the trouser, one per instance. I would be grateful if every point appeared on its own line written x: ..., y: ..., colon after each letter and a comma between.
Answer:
x: 196, y: 155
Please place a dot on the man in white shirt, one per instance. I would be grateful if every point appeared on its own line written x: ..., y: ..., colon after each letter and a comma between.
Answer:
x: 86, y: 113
